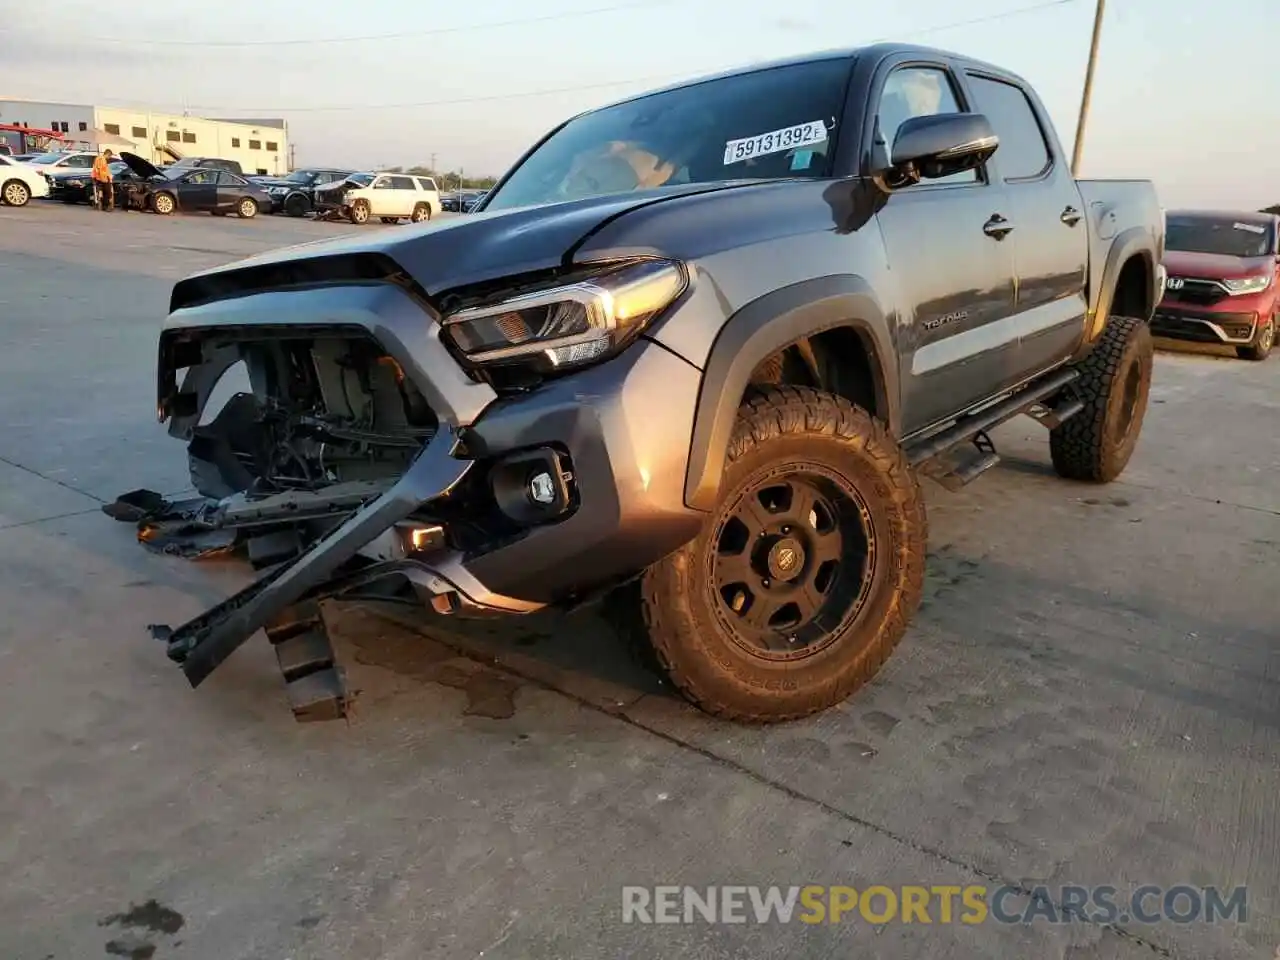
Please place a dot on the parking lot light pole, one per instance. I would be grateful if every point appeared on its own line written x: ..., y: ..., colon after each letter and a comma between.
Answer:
x: 1088, y: 88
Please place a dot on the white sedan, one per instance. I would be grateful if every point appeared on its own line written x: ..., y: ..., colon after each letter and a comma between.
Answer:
x: 19, y: 183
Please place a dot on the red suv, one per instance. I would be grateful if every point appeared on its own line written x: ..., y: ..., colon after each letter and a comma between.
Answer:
x: 1222, y: 280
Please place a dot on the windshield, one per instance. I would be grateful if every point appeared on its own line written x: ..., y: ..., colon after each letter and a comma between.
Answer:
x: 770, y: 124
x: 1232, y: 238
x: 301, y: 176
x: 361, y: 179
x: 45, y: 158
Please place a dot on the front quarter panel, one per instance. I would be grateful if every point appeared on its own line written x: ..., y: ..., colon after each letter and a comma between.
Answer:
x: 747, y: 242
x: 770, y: 264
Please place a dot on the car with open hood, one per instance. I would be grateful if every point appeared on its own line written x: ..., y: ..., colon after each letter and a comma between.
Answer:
x: 690, y: 356
x: 1223, y: 283
x: 189, y: 189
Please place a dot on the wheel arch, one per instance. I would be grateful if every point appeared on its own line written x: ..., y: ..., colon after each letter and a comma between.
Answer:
x: 839, y: 313
x: 1128, y: 280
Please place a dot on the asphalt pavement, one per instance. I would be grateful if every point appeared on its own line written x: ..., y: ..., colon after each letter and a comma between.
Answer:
x: 1090, y: 696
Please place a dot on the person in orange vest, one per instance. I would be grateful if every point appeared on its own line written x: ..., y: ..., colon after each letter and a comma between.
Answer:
x: 102, y: 181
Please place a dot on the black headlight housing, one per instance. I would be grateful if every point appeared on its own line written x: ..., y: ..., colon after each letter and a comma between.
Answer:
x: 566, y: 326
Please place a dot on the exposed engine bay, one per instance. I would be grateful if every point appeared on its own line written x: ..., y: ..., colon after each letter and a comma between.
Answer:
x: 322, y: 411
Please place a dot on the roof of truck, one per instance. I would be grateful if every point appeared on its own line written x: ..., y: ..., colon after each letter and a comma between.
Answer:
x: 876, y: 51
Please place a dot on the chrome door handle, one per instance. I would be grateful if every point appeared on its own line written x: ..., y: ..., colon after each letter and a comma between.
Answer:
x: 1070, y: 216
x: 997, y: 227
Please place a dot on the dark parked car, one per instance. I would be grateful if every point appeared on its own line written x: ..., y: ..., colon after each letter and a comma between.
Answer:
x: 217, y: 163
x: 76, y: 186
x: 1224, y: 280
x: 693, y: 359
x: 295, y: 193
x: 188, y: 189
x: 469, y: 203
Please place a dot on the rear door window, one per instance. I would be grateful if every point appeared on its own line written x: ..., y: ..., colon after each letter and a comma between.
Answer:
x: 1023, y: 152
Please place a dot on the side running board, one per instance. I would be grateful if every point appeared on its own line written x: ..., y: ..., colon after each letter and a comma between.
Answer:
x: 988, y: 418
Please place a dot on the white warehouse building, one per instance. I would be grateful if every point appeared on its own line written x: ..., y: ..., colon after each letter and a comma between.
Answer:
x: 260, y: 146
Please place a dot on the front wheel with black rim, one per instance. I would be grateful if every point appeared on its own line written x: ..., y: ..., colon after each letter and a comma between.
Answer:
x: 1263, y: 341
x: 295, y: 205
x: 807, y: 573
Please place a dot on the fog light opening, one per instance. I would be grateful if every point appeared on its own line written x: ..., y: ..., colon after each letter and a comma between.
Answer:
x: 533, y: 486
x: 542, y: 488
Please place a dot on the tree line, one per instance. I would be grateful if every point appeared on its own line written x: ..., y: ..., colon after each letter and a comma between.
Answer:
x: 448, y: 179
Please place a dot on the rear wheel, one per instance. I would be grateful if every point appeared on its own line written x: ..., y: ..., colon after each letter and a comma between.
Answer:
x: 1115, y: 383
x: 360, y: 211
x: 1263, y: 341
x: 247, y: 208
x: 421, y: 212
x: 804, y: 578
x: 164, y: 204
x: 16, y: 193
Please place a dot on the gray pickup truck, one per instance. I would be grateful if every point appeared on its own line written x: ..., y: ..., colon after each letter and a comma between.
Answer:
x: 690, y: 357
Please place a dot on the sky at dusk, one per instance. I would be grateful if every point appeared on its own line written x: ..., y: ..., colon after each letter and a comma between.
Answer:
x: 1185, y: 93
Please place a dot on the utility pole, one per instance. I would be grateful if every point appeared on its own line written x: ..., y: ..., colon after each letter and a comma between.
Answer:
x: 433, y: 164
x: 1088, y: 88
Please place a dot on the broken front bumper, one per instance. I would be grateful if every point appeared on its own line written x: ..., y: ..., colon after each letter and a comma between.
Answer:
x: 624, y: 427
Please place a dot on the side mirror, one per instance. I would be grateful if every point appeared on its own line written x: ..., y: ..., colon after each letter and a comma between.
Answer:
x: 928, y: 148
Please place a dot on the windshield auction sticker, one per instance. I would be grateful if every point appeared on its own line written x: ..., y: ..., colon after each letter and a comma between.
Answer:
x: 776, y: 141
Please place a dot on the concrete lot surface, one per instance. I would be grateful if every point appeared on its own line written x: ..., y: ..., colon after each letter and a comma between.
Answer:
x: 1090, y: 696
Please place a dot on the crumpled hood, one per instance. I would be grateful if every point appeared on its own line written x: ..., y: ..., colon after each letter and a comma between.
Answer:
x: 1214, y: 266
x: 459, y: 251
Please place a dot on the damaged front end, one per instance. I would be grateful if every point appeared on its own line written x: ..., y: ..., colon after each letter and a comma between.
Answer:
x: 342, y: 473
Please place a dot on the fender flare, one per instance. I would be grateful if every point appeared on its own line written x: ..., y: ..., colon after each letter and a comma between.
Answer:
x: 762, y: 328
x: 1135, y: 240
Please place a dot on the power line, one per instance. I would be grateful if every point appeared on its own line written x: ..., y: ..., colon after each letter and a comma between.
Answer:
x: 373, y: 38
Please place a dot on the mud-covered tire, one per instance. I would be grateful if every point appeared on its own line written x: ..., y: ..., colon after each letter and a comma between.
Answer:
x: 676, y: 605
x: 1265, y: 339
x: 1095, y: 445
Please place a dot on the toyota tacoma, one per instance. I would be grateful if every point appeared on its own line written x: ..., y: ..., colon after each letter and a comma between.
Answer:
x: 690, y: 356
